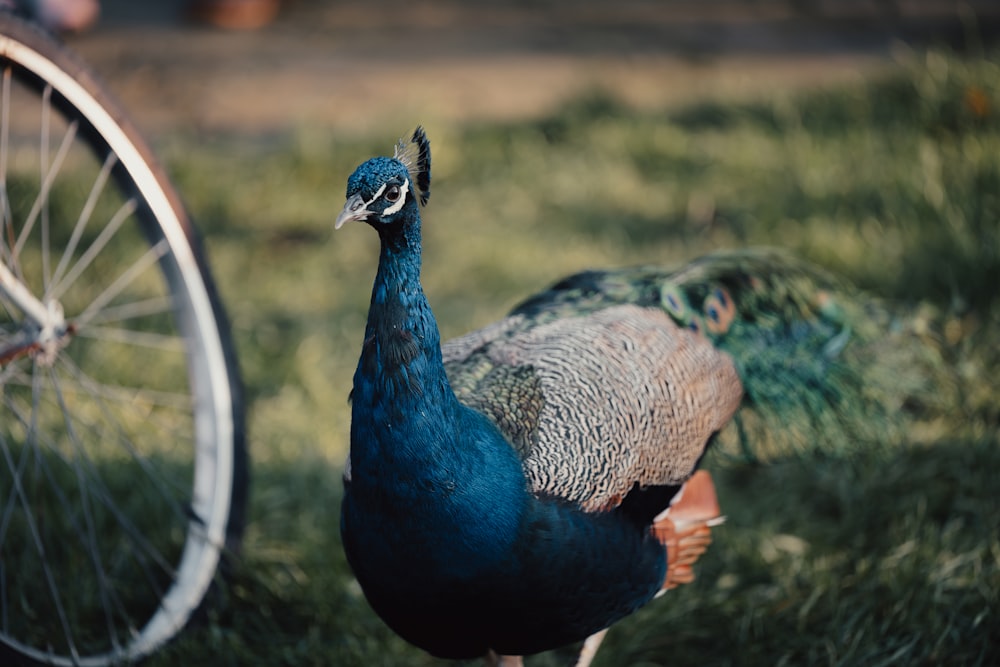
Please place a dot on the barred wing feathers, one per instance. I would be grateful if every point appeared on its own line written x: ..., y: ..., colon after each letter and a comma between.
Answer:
x: 600, y: 402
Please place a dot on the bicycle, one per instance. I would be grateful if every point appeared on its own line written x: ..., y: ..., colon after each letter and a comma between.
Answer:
x: 123, y: 466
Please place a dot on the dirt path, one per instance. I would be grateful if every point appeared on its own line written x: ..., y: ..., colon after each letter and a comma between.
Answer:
x: 355, y: 65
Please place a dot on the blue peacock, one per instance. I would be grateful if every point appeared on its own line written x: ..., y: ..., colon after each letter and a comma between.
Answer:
x: 529, y: 484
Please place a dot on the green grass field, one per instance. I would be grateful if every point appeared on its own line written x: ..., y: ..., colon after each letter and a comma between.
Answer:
x: 891, y: 558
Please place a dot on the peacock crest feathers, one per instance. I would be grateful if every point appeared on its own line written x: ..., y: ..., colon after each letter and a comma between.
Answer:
x: 415, y: 155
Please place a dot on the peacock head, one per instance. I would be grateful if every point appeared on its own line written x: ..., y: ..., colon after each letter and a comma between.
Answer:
x: 381, y: 190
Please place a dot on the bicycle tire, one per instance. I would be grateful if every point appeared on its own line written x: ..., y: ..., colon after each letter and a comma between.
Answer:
x: 123, y: 465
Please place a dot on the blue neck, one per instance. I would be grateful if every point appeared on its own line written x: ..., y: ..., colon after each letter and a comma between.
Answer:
x: 412, y: 443
x: 400, y: 371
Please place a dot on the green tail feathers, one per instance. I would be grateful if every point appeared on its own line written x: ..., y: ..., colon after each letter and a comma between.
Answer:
x: 824, y: 367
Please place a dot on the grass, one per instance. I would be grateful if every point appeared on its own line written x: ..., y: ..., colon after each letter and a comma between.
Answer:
x: 895, y: 183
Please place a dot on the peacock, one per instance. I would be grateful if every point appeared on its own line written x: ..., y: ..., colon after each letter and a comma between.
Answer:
x: 527, y: 485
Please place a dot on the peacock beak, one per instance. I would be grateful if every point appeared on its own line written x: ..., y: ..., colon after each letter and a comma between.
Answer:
x: 356, y: 208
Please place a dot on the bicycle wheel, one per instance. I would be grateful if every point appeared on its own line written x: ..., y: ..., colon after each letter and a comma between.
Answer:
x: 123, y: 470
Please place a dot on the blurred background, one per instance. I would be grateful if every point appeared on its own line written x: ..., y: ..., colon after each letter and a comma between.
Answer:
x: 863, y: 135
x: 358, y: 65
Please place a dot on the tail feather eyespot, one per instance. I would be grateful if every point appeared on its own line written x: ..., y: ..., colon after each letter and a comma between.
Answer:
x: 674, y: 302
x: 719, y: 311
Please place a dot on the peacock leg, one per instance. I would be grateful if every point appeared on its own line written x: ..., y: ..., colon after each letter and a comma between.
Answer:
x: 496, y: 660
x: 590, y: 647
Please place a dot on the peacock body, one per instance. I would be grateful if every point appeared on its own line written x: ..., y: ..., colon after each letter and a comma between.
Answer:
x: 529, y: 484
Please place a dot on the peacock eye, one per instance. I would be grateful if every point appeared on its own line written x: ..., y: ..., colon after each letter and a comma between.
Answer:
x: 392, y: 193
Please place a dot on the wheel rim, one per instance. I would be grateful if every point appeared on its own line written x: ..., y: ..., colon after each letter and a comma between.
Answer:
x: 134, y: 360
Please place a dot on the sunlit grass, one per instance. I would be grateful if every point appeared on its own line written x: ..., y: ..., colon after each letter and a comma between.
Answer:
x: 893, y: 183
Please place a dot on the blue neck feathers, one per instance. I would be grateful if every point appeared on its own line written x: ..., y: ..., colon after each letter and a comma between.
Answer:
x: 402, y: 344
x: 414, y: 447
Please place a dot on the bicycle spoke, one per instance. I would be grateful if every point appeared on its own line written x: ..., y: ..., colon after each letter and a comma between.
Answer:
x: 9, y: 371
x: 42, y: 465
x: 136, y: 309
x: 67, y: 506
x: 82, y: 458
x: 43, y: 165
x: 81, y: 223
x: 4, y: 614
x: 7, y: 238
x: 148, y: 259
x: 120, y: 216
x: 100, y: 392
x: 125, y: 396
x: 102, y: 493
x: 6, y: 306
x: 17, y: 473
x: 43, y: 195
x: 137, y: 338
x: 35, y: 534
x: 92, y: 483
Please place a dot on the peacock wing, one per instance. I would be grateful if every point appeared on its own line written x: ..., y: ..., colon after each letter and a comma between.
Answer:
x: 598, y: 402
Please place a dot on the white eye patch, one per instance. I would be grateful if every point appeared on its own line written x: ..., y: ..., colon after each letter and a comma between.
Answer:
x: 403, y: 191
x: 377, y: 194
